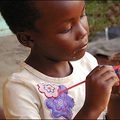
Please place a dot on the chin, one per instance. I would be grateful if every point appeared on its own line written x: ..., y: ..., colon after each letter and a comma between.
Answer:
x: 77, y: 57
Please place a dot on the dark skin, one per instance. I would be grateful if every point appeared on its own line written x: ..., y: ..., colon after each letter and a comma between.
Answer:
x: 61, y: 36
x: 64, y: 46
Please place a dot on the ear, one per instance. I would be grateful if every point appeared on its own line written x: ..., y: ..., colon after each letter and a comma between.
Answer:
x: 25, y: 39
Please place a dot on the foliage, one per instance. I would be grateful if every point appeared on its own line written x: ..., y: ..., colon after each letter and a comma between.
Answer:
x: 102, y: 14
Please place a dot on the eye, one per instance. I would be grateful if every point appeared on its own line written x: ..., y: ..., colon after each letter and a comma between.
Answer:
x: 83, y: 15
x: 67, y: 29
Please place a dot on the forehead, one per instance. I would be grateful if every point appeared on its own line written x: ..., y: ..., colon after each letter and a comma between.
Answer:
x: 50, y: 5
x: 53, y: 10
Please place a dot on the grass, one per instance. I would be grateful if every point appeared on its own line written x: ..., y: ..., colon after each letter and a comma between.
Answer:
x: 102, y: 14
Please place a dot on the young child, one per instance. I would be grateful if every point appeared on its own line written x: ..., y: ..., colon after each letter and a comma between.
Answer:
x: 57, y: 33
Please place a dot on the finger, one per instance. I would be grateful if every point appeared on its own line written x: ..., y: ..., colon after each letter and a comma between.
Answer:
x: 113, y: 81
x: 101, y: 71
x: 105, y: 74
x: 108, y: 76
x: 95, y: 70
x: 106, y: 68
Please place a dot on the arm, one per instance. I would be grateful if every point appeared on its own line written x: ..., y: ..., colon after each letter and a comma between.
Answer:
x: 114, y: 103
x: 114, y: 107
x: 88, y: 113
x: 99, y: 85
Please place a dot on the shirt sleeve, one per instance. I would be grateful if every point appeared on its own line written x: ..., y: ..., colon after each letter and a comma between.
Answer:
x: 20, y: 101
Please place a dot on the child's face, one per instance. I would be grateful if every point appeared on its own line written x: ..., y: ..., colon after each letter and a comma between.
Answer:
x: 62, y: 30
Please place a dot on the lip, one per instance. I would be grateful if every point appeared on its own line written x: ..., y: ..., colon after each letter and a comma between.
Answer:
x: 84, y: 46
x: 79, y: 52
x: 80, y: 49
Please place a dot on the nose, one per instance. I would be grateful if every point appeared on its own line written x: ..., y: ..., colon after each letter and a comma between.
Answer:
x: 81, y: 31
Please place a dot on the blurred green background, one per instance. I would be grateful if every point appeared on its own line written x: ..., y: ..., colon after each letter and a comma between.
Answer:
x: 102, y: 14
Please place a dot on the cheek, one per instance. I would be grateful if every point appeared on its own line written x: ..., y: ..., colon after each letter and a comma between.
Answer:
x: 66, y: 41
x: 66, y: 47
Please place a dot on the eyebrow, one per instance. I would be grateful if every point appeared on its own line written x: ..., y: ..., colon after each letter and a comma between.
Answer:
x: 83, y: 7
x: 73, y: 18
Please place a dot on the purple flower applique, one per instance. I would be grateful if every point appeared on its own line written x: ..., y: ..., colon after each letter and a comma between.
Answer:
x: 61, y: 106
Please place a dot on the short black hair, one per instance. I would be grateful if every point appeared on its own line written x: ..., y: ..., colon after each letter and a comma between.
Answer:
x: 20, y: 15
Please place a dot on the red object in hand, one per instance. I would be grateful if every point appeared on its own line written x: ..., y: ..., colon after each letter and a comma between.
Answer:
x: 116, y: 68
x: 116, y: 71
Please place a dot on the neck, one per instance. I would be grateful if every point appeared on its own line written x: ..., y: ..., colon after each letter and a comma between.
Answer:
x: 50, y: 67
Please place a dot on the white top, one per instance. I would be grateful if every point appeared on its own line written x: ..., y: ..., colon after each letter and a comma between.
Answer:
x: 30, y: 94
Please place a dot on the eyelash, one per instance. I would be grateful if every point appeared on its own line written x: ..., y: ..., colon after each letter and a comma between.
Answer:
x: 67, y: 30
x: 83, y: 15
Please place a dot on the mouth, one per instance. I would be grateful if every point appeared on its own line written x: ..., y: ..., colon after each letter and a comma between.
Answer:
x: 80, y: 49
x: 84, y: 46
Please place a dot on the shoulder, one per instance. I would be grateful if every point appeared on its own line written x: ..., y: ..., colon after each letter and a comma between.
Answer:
x: 19, y: 81
x: 21, y: 91
x: 90, y: 58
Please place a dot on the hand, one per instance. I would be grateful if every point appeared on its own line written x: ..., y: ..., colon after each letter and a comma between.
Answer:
x: 99, y: 85
x: 116, y: 89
